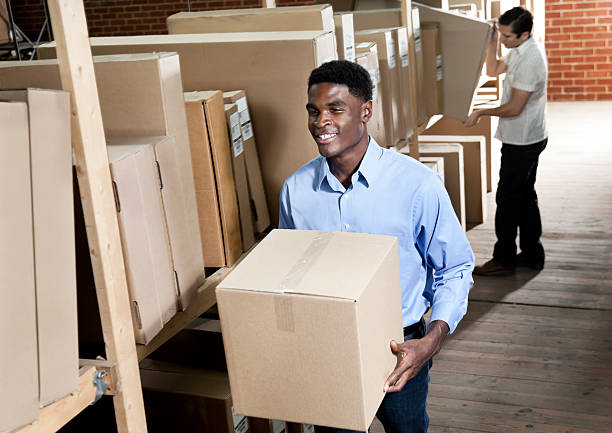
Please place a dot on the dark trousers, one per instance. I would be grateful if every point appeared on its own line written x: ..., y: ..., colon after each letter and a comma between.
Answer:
x: 403, y: 411
x: 517, y: 204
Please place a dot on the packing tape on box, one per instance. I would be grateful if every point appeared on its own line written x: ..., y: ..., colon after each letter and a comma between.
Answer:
x: 283, y: 304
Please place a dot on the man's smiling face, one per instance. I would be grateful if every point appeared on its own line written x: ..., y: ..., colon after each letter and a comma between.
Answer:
x: 336, y: 118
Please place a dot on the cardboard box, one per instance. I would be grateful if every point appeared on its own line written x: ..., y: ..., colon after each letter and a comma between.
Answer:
x: 262, y: 425
x: 406, y: 123
x: 276, y: 87
x: 179, y: 398
x: 475, y: 166
x: 380, y: 18
x: 454, y: 179
x: 54, y: 251
x: 290, y: 18
x: 261, y: 215
x: 435, y: 163
x: 187, y: 260
x: 432, y: 68
x: 448, y: 126
x: 345, y: 36
x: 388, y: 64
x: 18, y: 358
x: 4, y: 25
x: 140, y: 95
x: 461, y: 67
x: 288, y: 289
x: 214, y: 179
x: 418, y: 55
x: 144, y: 238
x: 376, y: 124
x: 232, y: 117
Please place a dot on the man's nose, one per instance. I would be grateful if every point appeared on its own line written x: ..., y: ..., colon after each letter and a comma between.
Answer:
x: 322, y: 119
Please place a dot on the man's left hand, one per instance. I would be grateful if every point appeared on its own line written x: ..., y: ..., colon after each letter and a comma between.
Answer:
x: 414, y: 354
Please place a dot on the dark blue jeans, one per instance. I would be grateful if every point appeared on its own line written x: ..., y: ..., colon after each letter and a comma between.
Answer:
x: 404, y: 411
x: 517, y: 204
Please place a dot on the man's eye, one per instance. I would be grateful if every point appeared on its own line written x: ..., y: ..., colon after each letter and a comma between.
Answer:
x: 336, y: 110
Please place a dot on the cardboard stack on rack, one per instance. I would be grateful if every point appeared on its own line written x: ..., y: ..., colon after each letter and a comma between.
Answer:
x: 140, y: 96
x: 39, y: 311
x: 274, y: 85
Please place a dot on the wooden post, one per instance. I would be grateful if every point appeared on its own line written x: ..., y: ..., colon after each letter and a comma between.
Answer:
x: 407, y: 22
x: 88, y: 141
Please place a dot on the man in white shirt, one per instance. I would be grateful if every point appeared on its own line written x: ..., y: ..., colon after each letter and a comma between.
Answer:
x: 522, y: 130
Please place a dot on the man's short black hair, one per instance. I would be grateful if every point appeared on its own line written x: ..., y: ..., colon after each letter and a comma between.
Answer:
x: 354, y: 76
x: 520, y: 19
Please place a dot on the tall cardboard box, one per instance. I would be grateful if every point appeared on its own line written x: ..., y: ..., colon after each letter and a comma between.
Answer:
x: 276, y: 86
x: 454, y: 177
x: 232, y: 117
x: 345, y: 36
x: 475, y: 165
x: 289, y: 289
x: 388, y: 64
x: 407, y: 125
x: 187, y: 261
x: 376, y: 124
x: 461, y: 67
x: 261, y: 215
x: 448, y: 126
x: 4, y: 26
x: 140, y: 95
x: 54, y: 251
x: 215, y: 186
x: 18, y: 357
x: 432, y: 68
x: 290, y: 18
x: 144, y: 238
x: 179, y: 399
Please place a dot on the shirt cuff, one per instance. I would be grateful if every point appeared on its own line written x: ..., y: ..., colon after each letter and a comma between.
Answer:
x: 448, y: 312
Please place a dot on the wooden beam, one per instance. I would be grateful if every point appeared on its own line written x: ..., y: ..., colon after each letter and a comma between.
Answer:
x: 88, y: 141
x: 407, y: 22
x: 52, y: 417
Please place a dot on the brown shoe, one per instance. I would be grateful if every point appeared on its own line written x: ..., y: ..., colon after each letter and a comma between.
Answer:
x: 493, y: 269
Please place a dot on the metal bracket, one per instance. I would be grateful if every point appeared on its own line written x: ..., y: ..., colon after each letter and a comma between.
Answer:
x: 106, y: 371
x: 100, y: 384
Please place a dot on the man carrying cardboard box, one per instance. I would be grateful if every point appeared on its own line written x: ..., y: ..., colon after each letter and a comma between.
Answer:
x: 357, y: 186
x: 522, y: 130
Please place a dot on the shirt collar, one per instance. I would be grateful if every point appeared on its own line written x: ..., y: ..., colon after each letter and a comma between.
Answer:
x: 525, y: 45
x: 367, y: 169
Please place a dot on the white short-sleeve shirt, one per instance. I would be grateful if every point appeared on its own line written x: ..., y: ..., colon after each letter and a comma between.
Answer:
x: 528, y: 71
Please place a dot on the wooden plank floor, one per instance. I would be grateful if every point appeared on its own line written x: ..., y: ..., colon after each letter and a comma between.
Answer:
x: 534, y: 352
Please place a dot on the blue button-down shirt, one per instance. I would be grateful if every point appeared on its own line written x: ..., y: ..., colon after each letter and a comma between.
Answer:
x: 391, y: 194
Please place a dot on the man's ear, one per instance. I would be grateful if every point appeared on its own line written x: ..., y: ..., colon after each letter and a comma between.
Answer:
x: 366, y: 111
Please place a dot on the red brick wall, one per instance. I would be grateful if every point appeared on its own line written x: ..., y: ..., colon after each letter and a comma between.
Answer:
x: 579, y: 49
x: 130, y: 17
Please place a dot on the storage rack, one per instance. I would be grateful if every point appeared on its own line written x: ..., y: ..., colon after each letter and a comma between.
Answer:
x: 20, y: 43
x: 88, y: 140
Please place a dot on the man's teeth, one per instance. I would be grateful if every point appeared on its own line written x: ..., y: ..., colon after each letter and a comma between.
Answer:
x: 326, y: 136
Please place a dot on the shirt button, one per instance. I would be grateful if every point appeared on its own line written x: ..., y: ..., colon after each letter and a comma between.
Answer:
x: 346, y: 226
